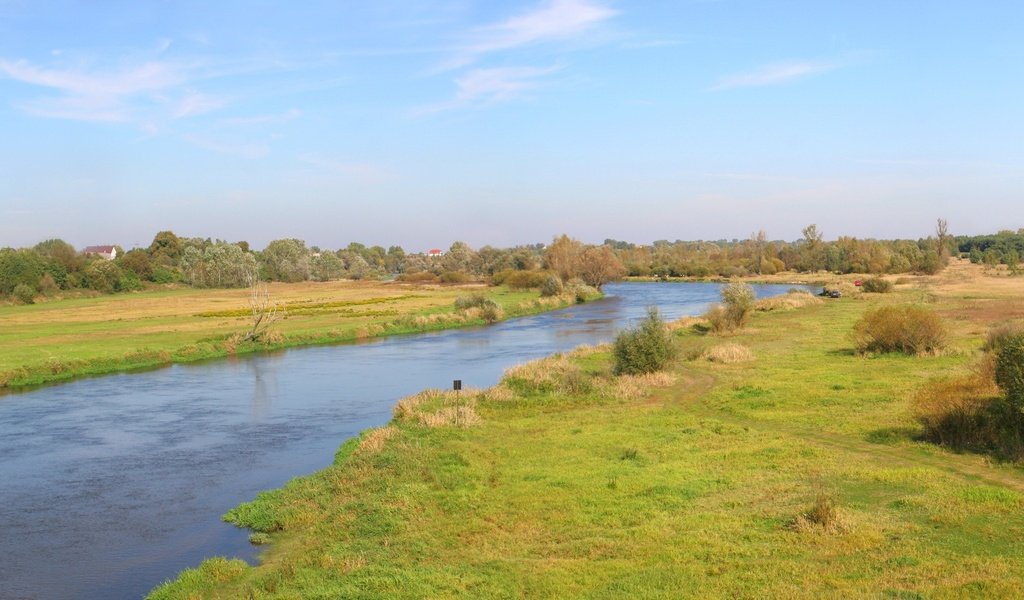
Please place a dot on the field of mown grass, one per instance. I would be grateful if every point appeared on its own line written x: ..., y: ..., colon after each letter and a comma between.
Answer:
x: 567, y: 482
x: 63, y: 339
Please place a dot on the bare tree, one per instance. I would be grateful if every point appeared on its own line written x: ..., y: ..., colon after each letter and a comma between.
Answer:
x: 759, y: 243
x: 265, y: 312
x: 942, y: 239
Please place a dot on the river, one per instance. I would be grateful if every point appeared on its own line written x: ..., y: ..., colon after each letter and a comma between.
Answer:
x: 111, y: 485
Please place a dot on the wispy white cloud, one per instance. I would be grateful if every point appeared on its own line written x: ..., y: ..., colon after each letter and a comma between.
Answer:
x: 555, y: 20
x: 483, y: 87
x: 775, y: 74
x: 197, y: 103
x: 125, y: 94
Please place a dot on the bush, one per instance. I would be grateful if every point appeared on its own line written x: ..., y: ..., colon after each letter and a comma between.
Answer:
x: 717, y: 319
x: 877, y: 285
x: 521, y: 280
x: 966, y: 413
x: 491, y: 312
x: 163, y: 275
x: 552, y: 286
x: 421, y: 277
x: 645, y: 348
x: 1010, y: 370
x: 24, y: 294
x: 907, y: 329
x: 739, y: 300
x: 581, y: 291
x: 454, y: 277
x: 473, y: 301
x: 999, y: 335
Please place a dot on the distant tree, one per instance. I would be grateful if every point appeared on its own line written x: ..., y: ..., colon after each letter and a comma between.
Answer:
x: 563, y: 256
x: 19, y: 267
x: 287, y: 260
x: 943, y: 240
x: 103, y: 276
x: 394, y: 261
x: 813, y: 250
x: 166, y: 248
x: 759, y: 244
x: 598, y: 265
x: 137, y: 261
x: 327, y: 267
x: 460, y: 257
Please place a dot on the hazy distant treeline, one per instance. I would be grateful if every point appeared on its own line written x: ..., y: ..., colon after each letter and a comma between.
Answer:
x: 54, y: 266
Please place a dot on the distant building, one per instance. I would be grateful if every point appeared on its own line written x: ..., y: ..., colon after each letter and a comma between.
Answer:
x: 434, y: 252
x: 107, y: 252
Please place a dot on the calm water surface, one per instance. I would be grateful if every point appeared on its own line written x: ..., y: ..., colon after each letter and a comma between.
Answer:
x: 109, y: 486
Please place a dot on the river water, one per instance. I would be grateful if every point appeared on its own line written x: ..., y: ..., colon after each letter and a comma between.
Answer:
x: 111, y: 485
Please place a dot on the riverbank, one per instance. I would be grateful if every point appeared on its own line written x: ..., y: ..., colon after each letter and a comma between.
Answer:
x: 63, y: 340
x: 566, y: 481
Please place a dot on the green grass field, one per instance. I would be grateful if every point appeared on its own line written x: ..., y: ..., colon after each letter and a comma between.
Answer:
x: 63, y: 339
x: 567, y: 482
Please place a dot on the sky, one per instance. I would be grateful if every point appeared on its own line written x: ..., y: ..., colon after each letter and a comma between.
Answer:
x: 419, y: 123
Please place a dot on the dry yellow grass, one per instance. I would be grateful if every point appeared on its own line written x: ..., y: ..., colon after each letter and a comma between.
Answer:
x: 788, y: 301
x: 728, y: 353
x: 440, y: 408
x: 373, y: 440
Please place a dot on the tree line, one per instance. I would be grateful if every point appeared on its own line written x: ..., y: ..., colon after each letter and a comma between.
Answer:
x: 54, y: 265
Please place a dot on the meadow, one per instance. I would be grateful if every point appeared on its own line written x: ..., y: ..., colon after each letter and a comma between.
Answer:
x: 63, y: 339
x: 773, y: 461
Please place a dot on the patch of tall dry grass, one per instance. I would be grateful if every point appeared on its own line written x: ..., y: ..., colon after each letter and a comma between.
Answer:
x: 791, y: 300
x: 440, y: 408
x: 727, y: 354
x: 374, y: 439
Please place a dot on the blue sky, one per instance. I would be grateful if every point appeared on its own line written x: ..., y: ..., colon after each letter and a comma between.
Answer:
x: 421, y: 123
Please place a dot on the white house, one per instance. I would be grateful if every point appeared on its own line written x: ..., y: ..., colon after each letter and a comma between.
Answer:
x: 107, y: 252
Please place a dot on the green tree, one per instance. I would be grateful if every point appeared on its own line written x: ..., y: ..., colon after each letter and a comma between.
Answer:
x: 166, y: 248
x: 287, y: 260
x: 813, y: 249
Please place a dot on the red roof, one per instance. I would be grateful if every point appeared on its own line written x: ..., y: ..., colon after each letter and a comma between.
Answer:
x: 434, y: 251
x: 98, y: 249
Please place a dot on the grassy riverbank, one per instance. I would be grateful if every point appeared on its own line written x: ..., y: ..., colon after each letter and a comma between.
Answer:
x: 565, y: 481
x: 64, y: 339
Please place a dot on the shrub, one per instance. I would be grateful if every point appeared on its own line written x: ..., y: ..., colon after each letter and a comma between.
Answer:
x: 491, y: 312
x: 472, y: 301
x: 999, y: 335
x: 739, y: 300
x: 552, y: 286
x: 24, y: 294
x: 645, y: 348
x: 47, y: 285
x: 877, y: 285
x: 1010, y: 370
x: 421, y: 277
x: 907, y: 329
x: 454, y: 277
x: 581, y: 291
x: 524, y: 280
x: 162, y: 275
